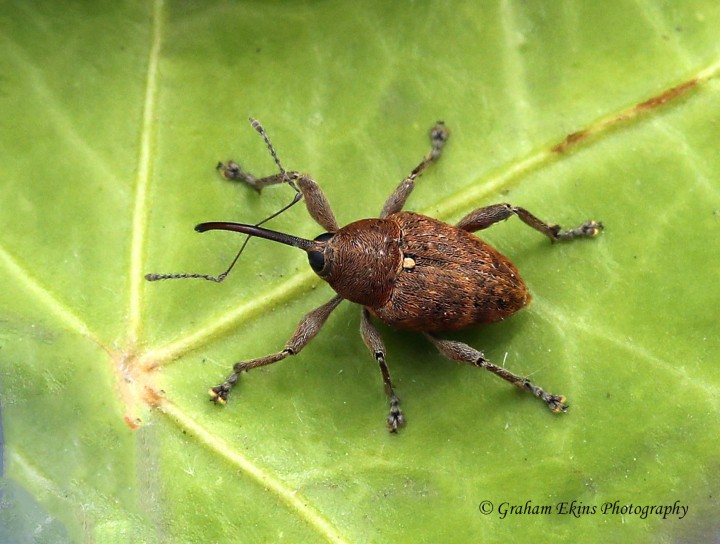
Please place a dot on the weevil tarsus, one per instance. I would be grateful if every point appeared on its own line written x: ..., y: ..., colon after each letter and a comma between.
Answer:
x: 439, y: 135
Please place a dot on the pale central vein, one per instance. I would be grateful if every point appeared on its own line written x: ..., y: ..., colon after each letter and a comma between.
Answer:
x: 294, y: 500
x: 140, y: 211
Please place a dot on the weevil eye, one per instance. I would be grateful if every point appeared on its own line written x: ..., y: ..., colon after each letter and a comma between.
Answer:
x: 317, y: 258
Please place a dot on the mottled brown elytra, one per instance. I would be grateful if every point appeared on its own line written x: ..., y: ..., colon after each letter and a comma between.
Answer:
x: 408, y: 270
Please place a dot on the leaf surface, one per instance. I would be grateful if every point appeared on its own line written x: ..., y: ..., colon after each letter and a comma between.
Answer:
x: 114, y: 115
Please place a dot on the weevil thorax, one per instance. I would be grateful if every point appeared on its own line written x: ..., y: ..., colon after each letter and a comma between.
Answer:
x: 360, y: 260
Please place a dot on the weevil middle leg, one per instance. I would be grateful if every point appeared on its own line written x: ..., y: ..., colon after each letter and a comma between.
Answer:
x: 374, y: 343
x: 439, y: 135
x: 482, y: 218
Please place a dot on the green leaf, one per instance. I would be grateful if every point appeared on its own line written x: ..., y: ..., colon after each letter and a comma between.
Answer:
x: 113, y: 117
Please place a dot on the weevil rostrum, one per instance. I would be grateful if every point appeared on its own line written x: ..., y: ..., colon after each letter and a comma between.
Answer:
x: 408, y: 270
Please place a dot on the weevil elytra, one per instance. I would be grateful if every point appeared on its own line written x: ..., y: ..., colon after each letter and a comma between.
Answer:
x: 408, y: 270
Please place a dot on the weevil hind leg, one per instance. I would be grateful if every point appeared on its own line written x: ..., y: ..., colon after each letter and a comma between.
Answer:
x: 306, y: 330
x: 462, y: 353
x: 439, y: 134
x: 483, y: 218
x: 374, y: 343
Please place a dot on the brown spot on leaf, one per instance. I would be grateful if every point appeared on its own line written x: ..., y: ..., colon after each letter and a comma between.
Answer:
x: 152, y: 397
x: 133, y: 422
x: 570, y: 140
x: 668, y: 95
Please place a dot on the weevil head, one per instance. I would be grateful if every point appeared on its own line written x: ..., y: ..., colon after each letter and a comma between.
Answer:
x: 360, y: 260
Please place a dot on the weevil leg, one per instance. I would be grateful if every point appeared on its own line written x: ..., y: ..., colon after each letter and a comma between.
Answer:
x: 458, y: 351
x: 306, y: 330
x: 482, y: 218
x: 316, y: 202
x: 232, y: 171
x: 439, y: 134
x: 374, y: 343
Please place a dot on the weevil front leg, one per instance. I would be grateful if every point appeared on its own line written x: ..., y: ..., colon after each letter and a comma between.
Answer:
x: 232, y: 171
x: 458, y: 351
x: 374, y: 343
x: 482, y: 218
x: 439, y: 134
x: 317, y: 203
x: 306, y: 330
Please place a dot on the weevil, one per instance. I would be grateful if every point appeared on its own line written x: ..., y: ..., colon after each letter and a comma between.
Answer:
x: 408, y: 270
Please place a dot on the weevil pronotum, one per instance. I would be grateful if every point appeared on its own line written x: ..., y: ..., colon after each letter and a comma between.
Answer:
x: 408, y: 270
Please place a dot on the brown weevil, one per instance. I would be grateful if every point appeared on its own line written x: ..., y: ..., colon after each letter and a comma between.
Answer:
x: 408, y: 270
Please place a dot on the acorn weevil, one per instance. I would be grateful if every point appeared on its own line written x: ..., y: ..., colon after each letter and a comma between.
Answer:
x: 408, y: 270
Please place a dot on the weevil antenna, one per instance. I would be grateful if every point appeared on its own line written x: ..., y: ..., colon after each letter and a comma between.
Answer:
x: 257, y: 126
x: 288, y: 179
x: 221, y: 277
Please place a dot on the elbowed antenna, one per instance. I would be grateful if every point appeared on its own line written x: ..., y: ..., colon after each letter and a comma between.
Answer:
x: 312, y: 247
x: 225, y: 169
x: 252, y: 230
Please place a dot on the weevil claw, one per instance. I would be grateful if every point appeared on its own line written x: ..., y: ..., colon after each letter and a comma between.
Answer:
x: 395, y: 418
x: 556, y: 403
x: 218, y: 394
x: 395, y: 421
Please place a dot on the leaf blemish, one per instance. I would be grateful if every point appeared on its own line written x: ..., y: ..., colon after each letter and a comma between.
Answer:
x: 629, y: 114
x: 571, y: 139
x: 666, y: 96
